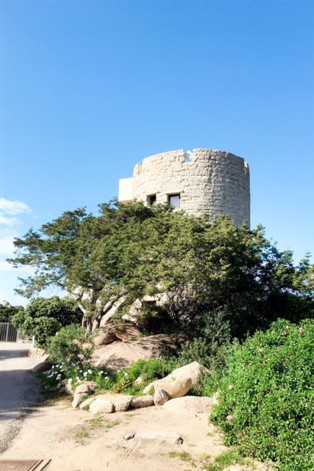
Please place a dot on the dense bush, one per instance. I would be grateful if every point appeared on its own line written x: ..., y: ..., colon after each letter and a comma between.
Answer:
x: 266, y: 398
x: 7, y: 312
x: 148, y: 370
x: 67, y: 347
x: 43, y: 317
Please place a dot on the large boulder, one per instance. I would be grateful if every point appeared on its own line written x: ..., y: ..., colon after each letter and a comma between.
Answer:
x: 121, y: 331
x: 179, y: 381
x: 122, y: 354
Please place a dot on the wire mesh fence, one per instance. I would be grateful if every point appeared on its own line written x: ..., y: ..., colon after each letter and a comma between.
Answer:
x: 8, y: 332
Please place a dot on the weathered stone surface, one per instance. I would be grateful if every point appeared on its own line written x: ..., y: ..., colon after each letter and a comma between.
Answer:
x: 68, y: 389
x: 35, y: 352
x: 85, y: 404
x: 123, y: 354
x: 101, y: 405
x: 174, y: 387
x: 104, y: 338
x: 121, y: 402
x: 208, y: 181
x: 77, y: 399
x: 193, y: 370
x: 160, y: 397
x: 82, y: 388
x: 149, y: 389
x: 176, y: 383
x: 42, y: 366
x: 190, y: 405
x: 142, y: 401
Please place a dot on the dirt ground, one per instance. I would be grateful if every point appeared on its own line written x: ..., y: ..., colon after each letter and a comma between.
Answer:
x: 77, y: 440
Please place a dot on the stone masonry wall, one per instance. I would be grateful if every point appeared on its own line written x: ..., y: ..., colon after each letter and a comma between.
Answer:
x: 208, y: 181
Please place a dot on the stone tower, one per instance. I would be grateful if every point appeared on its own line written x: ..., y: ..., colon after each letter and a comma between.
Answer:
x: 204, y: 181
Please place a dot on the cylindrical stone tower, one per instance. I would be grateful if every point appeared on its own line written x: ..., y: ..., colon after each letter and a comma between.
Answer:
x: 204, y: 181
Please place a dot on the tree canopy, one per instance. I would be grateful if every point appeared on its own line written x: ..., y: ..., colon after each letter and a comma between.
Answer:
x: 129, y: 251
x: 43, y: 317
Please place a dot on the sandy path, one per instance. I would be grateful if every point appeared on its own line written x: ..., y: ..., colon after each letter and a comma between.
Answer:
x: 73, y: 444
x: 19, y: 388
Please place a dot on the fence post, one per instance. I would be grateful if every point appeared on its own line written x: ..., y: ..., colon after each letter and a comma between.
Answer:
x: 7, y: 333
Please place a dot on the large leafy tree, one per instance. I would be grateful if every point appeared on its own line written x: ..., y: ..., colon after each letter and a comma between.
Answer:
x: 43, y: 317
x: 129, y: 251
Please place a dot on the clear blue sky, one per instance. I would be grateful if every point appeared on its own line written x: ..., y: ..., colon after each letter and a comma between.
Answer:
x: 89, y: 88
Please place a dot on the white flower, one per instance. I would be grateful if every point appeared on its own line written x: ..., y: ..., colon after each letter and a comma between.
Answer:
x: 101, y: 372
x: 59, y: 377
x: 126, y: 374
x: 85, y: 374
x: 89, y: 371
x: 70, y: 380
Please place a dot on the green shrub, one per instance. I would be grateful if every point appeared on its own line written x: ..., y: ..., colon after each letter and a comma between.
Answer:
x: 43, y: 317
x: 66, y: 346
x: 266, y: 400
x: 149, y: 370
x: 42, y: 328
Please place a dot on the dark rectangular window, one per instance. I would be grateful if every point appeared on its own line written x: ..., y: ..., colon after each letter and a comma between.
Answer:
x: 174, y: 200
x: 151, y: 200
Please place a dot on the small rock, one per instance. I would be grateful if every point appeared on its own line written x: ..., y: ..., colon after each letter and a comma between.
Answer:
x: 85, y: 404
x: 138, y: 381
x: 68, y: 389
x: 101, y: 405
x: 82, y: 388
x: 160, y: 397
x: 142, y: 401
x: 77, y: 399
x: 121, y: 402
x: 129, y: 436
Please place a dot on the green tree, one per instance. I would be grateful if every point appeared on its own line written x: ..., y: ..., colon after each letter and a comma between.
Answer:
x: 44, y: 317
x: 7, y: 312
x: 209, y: 270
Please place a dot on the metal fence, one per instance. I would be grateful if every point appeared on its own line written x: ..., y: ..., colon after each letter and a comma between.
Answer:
x: 8, y: 332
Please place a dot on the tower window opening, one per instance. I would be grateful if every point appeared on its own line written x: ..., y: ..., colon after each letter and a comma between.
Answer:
x: 151, y: 200
x: 174, y: 200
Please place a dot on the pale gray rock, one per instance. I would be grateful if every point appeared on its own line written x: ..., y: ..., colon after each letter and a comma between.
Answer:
x: 104, y: 338
x: 85, y: 404
x: 77, y: 399
x: 142, y: 401
x: 193, y: 370
x: 160, y: 397
x: 82, y: 388
x: 179, y: 381
x: 101, y: 405
x: 174, y: 387
x: 121, y: 402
